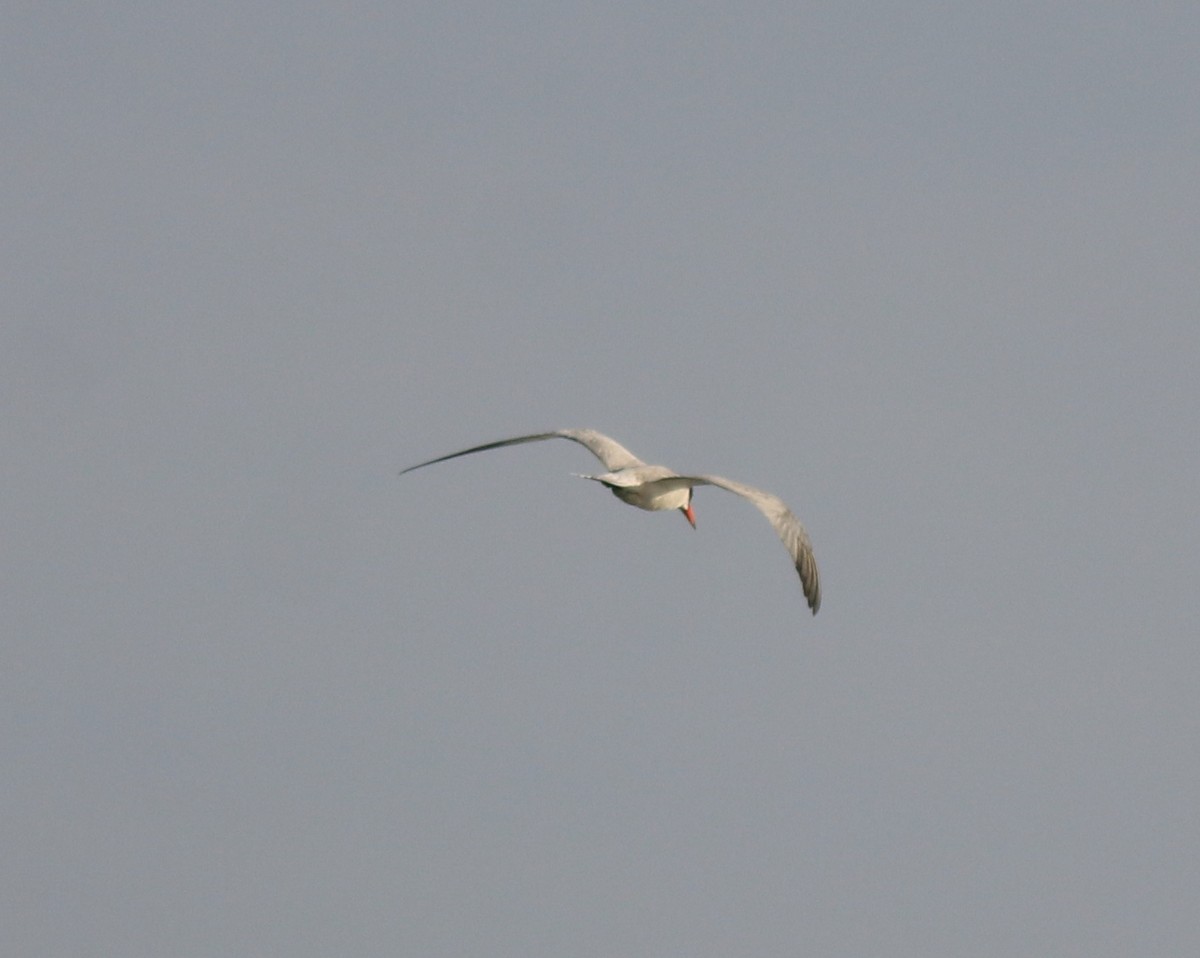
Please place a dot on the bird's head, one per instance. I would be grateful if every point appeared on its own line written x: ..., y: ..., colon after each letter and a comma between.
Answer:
x: 688, y: 512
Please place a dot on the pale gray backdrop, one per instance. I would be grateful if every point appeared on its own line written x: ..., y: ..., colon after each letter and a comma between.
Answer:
x: 929, y: 271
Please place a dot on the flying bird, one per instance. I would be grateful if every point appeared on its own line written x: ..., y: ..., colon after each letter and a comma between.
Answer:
x: 657, y: 487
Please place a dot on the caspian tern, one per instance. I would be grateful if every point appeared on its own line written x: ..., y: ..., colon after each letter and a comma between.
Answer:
x: 657, y: 487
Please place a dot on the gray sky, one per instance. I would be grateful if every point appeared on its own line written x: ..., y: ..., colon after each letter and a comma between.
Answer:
x: 926, y: 271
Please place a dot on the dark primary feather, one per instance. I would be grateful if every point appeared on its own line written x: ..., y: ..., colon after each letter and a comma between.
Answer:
x: 608, y: 451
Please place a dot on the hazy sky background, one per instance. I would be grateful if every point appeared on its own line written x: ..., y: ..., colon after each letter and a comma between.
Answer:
x: 928, y: 271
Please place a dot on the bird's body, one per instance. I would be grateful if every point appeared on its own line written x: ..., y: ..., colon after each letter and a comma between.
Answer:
x: 648, y: 487
x: 655, y: 488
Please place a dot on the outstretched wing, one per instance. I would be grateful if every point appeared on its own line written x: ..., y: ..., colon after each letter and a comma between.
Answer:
x: 608, y: 451
x: 786, y: 525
